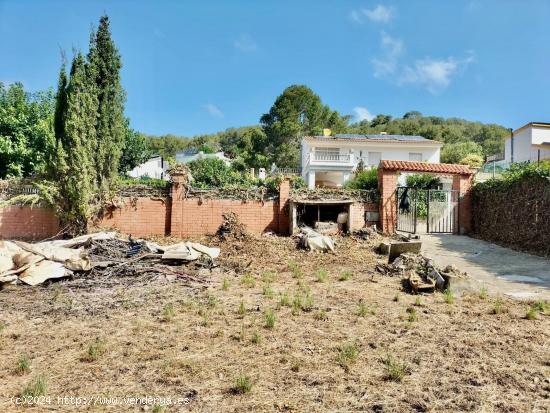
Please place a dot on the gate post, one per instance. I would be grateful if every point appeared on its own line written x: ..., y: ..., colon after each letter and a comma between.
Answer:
x: 387, y: 186
x: 463, y: 184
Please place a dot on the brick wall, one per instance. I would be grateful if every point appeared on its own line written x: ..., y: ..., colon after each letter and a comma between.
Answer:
x: 139, y: 217
x: 195, y: 217
x: 358, y: 214
x: 25, y: 222
x: 175, y: 215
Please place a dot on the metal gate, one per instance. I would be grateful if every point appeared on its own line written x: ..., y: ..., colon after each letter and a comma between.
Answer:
x: 429, y: 211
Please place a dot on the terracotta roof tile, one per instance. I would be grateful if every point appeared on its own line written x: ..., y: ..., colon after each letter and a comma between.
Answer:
x: 442, y: 168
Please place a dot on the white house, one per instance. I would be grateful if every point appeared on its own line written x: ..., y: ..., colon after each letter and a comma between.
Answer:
x: 155, y: 167
x: 192, y: 155
x: 529, y: 143
x: 330, y: 160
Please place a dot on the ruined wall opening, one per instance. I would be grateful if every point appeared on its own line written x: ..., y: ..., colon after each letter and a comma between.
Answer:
x: 322, y: 216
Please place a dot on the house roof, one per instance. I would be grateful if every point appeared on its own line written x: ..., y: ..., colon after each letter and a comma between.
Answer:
x: 533, y: 125
x: 441, y: 168
x: 376, y: 138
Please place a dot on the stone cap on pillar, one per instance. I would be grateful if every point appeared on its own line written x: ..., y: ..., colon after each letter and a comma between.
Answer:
x: 179, y: 173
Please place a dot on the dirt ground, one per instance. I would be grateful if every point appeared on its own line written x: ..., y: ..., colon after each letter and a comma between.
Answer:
x: 355, y: 342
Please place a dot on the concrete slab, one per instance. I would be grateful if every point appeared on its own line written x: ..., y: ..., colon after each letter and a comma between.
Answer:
x: 501, y: 270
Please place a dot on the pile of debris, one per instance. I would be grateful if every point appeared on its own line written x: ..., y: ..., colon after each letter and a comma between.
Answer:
x: 313, y: 241
x: 232, y: 228
x: 420, y: 273
x: 102, y: 254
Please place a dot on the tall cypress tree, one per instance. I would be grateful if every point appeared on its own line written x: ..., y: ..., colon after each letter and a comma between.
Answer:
x: 90, y: 129
x: 73, y: 166
x: 77, y: 139
x: 104, y: 69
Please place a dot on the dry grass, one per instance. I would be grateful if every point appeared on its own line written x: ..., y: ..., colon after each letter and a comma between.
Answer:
x: 331, y: 355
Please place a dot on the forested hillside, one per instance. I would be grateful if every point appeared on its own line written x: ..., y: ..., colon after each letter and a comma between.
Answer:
x: 27, y: 133
x: 298, y: 112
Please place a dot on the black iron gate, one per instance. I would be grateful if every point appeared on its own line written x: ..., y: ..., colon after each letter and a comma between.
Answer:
x: 427, y: 210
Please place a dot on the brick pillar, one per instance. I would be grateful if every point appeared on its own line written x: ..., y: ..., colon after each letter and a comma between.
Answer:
x: 284, y: 213
x: 387, y: 185
x: 463, y: 184
x: 177, y: 193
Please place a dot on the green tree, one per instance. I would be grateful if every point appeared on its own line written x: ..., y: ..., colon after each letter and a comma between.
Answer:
x: 474, y: 160
x: 74, y: 167
x: 135, y: 150
x: 167, y: 145
x: 455, y: 152
x: 413, y: 114
x: 90, y: 132
x: 26, y: 130
x: 423, y: 181
x: 104, y: 66
x: 297, y: 112
x: 213, y: 172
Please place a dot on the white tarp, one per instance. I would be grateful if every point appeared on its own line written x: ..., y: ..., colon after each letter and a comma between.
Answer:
x: 187, y: 251
x: 35, y: 263
x: 316, y: 242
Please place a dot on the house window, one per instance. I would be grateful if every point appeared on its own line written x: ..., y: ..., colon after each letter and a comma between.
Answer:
x: 374, y: 158
x: 327, y: 154
x: 415, y: 157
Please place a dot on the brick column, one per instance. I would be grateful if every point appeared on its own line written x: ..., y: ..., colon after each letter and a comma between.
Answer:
x: 387, y: 185
x: 463, y: 184
x: 284, y: 196
x: 177, y: 193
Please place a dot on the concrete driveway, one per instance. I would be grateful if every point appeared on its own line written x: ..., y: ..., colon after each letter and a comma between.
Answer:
x: 501, y: 270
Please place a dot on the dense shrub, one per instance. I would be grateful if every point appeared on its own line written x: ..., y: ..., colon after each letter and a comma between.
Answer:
x: 423, y: 181
x: 473, y: 160
x: 514, y: 210
x: 144, y: 180
x: 455, y: 152
x: 366, y: 179
x: 214, y: 173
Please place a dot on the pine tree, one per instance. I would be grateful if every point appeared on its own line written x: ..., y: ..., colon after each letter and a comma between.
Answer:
x: 104, y: 70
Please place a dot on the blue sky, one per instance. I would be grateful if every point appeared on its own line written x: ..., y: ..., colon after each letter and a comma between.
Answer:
x: 194, y: 67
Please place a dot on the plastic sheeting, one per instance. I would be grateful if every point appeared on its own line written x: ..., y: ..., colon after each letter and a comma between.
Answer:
x: 33, y: 264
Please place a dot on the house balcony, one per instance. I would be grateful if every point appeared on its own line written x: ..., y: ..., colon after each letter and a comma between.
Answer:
x: 331, y: 161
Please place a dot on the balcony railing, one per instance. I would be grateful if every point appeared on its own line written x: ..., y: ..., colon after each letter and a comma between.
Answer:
x: 331, y: 157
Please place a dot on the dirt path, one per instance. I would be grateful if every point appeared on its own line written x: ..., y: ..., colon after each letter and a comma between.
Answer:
x: 500, y: 269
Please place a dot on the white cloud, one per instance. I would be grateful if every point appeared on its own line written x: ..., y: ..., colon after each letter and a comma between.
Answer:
x: 213, y: 110
x: 362, y: 113
x: 380, y: 14
x: 245, y: 43
x: 355, y: 15
x: 392, y: 50
x: 434, y: 75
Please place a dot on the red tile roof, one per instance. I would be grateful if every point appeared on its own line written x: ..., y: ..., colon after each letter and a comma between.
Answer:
x: 441, y: 168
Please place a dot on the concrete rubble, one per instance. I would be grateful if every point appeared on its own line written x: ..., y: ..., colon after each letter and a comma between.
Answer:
x: 100, y: 254
x: 420, y: 273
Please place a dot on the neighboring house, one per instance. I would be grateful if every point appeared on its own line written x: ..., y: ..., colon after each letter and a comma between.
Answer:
x: 330, y: 160
x: 529, y: 143
x: 155, y: 167
x: 193, y: 154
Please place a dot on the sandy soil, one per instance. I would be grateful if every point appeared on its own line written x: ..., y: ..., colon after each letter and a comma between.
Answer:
x: 100, y: 339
